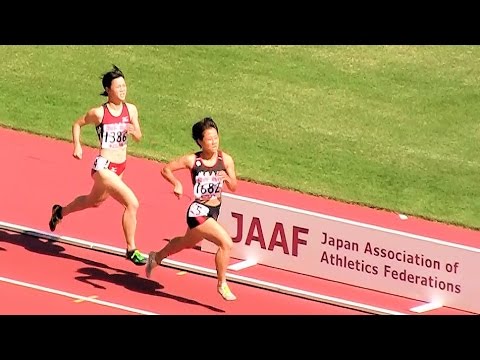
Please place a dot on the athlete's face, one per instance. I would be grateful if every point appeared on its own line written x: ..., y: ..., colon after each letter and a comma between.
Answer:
x: 118, y: 89
x: 210, y: 140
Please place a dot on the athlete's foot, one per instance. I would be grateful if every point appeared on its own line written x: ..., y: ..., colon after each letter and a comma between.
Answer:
x: 151, y: 263
x: 224, y: 290
x: 136, y: 257
x: 56, y: 217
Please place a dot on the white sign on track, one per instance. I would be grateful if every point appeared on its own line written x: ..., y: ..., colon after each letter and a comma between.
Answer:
x: 351, y: 252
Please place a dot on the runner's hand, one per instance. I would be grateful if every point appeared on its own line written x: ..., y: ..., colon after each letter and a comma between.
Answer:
x: 130, y: 129
x: 178, y: 190
x: 77, y: 152
x: 223, y: 175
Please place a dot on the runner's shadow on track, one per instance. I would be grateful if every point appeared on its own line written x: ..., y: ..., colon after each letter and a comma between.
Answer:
x: 46, y: 247
x: 133, y: 282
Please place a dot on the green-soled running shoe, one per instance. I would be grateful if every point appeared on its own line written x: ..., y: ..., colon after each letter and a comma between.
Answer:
x: 136, y: 257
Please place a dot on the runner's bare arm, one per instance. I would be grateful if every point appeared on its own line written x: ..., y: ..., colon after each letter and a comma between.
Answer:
x: 184, y: 162
x: 231, y: 177
x: 134, y: 128
x: 93, y: 116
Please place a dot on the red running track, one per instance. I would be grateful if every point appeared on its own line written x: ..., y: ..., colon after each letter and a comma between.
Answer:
x: 43, y: 172
x: 114, y: 280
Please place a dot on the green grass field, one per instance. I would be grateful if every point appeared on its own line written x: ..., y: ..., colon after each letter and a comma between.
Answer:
x: 393, y: 127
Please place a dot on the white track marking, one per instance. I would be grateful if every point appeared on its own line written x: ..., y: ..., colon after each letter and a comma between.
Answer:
x: 75, y: 296
x: 426, y: 307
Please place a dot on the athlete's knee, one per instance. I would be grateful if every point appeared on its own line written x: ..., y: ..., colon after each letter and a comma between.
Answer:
x: 133, y: 204
x: 226, y: 243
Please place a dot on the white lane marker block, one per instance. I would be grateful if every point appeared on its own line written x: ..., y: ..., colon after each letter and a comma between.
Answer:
x: 426, y: 307
x: 242, y: 265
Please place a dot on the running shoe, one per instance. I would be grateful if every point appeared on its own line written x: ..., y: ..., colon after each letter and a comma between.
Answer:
x: 151, y: 263
x: 136, y: 257
x: 56, y: 217
x: 224, y: 290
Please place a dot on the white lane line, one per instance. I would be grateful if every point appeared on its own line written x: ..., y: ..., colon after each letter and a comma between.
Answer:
x: 75, y: 296
x: 78, y: 301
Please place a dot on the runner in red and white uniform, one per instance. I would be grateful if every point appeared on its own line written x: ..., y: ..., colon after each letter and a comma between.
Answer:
x: 115, y: 121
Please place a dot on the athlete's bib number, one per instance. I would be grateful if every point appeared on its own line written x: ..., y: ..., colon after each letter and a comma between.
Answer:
x: 114, y: 135
x: 206, y: 190
x: 197, y: 209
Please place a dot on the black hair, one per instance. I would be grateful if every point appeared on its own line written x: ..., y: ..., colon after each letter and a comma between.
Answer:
x: 200, y: 126
x: 109, y: 76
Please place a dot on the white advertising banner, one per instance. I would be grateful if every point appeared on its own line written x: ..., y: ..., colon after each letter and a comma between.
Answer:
x: 351, y: 252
